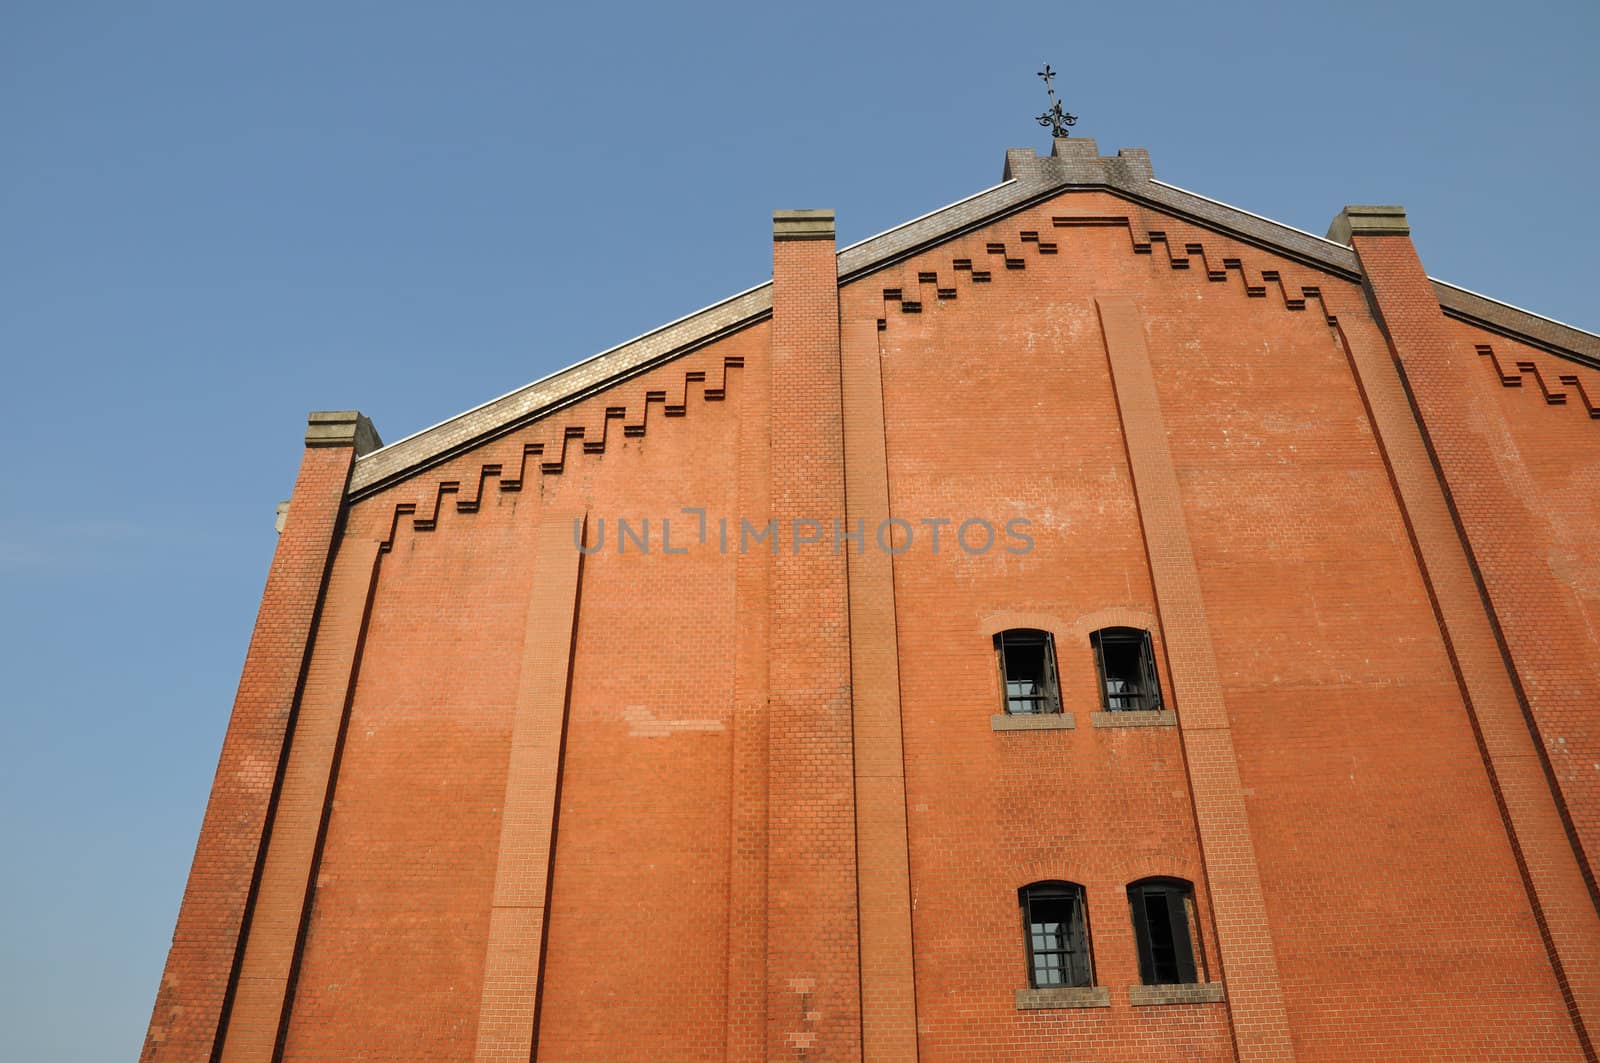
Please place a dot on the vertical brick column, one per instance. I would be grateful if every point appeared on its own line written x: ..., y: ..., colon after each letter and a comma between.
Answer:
x: 1244, y: 939
x: 1538, y: 615
x: 813, y: 980
x: 1437, y: 430
x: 206, y: 944
x: 888, y: 987
x: 513, y: 966
x: 284, y: 891
x: 747, y: 841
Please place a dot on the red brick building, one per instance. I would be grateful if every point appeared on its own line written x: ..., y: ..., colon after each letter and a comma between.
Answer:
x: 1088, y: 622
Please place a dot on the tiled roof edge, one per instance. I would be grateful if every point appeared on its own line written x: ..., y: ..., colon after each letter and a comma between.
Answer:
x: 559, y: 389
x: 564, y: 387
x: 1566, y: 341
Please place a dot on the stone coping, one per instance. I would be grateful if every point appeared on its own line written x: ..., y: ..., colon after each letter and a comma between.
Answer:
x: 1356, y: 221
x: 802, y: 225
x: 341, y: 428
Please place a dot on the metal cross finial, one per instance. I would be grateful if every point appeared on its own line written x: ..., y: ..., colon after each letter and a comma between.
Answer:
x: 1056, y: 119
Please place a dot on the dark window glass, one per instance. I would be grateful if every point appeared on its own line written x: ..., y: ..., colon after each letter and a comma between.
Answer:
x: 1028, y: 671
x: 1127, y: 669
x: 1056, y: 930
x: 1162, y: 917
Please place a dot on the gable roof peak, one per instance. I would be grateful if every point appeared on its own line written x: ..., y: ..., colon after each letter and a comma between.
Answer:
x: 1077, y: 161
x: 1029, y: 178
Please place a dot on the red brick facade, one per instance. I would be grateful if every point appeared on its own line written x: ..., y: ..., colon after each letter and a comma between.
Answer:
x: 640, y: 715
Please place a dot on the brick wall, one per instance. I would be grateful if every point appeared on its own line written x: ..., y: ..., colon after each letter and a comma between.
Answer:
x: 1542, y: 426
x: 1366, y: 794
x: 813, y: 970
x: 998, y: 405
x: 394, y: 958
x: 784, y: 825
x: 190, y: 1004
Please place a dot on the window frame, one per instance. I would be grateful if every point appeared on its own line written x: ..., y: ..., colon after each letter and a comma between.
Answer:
x: 1183, y: 919
x: 1148, y: 697
x: 1050, y: 680
x: 1077, y: 933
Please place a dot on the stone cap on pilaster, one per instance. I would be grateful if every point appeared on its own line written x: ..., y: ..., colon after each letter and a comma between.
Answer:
x: 802, y: 225
x: 1368, y: 221
x: 342, y: 428
x: 1077, y: 161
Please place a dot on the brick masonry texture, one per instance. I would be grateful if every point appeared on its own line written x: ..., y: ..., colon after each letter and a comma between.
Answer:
x: 998, y: 405
x: 1244, y: 939
x: 482, y: 797
x: 266, y: 970
x: 813, y: 965
x: 186, y: 1024
x: 1537, y: 613
x: 1533, y: 520
x: 888, y: 990
x: 509, y: 1013
x: 1074, y: 163
x: 746, y: 1009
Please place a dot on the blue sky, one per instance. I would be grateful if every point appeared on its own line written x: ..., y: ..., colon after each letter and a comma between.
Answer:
x: 215, y: 217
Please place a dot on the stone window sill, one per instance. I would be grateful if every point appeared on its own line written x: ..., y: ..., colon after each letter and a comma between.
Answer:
x: 1194, y: 993
x: 1064, y: 997
x: 1044, y: 721
x: 1148, y: 718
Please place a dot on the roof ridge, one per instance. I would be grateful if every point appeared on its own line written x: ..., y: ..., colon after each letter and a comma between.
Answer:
x: 1028, y: 178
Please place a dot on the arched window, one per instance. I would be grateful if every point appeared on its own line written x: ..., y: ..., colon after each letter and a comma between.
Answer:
x: 1165, y: 929
x: 1127, y: 667
x: 1028, y: 671
x: 1055, y: 925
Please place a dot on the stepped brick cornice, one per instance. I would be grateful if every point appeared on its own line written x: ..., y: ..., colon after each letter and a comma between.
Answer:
x: 1553, y: 396
x: 549, y: 453
x: 1010, y: 255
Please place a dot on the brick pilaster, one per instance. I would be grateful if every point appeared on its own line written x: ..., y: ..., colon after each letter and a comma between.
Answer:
x: 747, y: 841
x: 888, y: 986
x: 1244, y: 938
x: 206, y: 945
x: 284, y: 891
x: 813, y: 986
x: 1471, y: 525
x: 513, y: 966
x: 1538, y: 615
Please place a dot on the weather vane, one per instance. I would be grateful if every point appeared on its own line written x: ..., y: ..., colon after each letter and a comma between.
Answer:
x: 1057, y: 119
